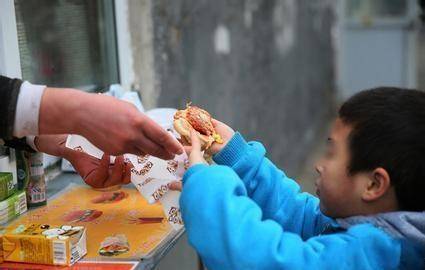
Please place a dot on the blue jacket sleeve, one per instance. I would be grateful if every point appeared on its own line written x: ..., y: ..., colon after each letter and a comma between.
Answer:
x: 229, y: 232
x: 278, y: 196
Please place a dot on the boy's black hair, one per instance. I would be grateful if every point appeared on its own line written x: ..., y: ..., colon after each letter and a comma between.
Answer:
x: 388, y: 131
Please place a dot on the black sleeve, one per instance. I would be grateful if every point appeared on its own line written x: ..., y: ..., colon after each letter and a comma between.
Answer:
x: 9, y: 91
x: 19, y: 144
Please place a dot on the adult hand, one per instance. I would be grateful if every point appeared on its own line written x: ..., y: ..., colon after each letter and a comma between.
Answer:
x: 100, y: 173
x: 115, y: 126
x: 96, y: 173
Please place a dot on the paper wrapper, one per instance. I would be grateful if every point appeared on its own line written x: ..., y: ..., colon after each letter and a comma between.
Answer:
x: 79, y: 143
x: 149, y: 174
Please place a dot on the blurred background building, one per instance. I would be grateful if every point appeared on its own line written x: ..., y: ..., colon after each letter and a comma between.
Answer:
x: 275, y: 70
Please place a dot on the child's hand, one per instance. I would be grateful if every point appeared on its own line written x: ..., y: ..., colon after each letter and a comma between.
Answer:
x: 195, y: 157
x: 194, y: 152
x: 226, y: 134
x: 176, y: 185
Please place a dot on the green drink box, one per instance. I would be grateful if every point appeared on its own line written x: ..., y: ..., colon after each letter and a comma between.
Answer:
x: 12, y: 207
x: 7, y: 187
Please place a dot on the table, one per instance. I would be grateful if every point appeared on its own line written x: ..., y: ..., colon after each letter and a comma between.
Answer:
x: 69, y: 181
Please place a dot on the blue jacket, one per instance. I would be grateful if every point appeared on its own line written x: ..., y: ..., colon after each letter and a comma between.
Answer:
x: 247, y: 214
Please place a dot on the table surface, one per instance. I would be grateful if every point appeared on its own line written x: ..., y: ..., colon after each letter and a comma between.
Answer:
x: 60, y: 183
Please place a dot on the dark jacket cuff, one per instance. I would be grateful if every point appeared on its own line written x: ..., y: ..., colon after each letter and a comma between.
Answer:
x: 9, y: 92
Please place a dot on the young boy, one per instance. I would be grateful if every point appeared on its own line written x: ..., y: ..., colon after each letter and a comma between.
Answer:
x: 247, y: 214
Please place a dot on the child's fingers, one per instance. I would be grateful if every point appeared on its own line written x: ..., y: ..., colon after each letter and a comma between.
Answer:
x: 217, y: 124
x: 196, y: 143
x: 214, y: 122
x: 188, y: 149
x: 195, y: 156
x: 177, y: 185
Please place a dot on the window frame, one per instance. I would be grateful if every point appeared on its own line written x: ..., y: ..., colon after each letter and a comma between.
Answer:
x: 108, y: 47
x: 404, y: 21
x: 10, y: 64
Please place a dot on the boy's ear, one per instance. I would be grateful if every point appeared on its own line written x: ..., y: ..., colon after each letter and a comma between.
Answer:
x: 378, y: 184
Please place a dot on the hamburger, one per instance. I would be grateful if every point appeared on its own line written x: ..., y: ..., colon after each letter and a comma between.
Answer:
x: 200, y: 120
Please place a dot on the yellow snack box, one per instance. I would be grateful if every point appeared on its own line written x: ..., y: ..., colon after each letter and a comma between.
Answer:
x: 1, y: 247
x: 44, y: 244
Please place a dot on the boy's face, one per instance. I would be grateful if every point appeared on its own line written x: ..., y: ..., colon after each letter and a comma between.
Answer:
x: 339, y: 192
